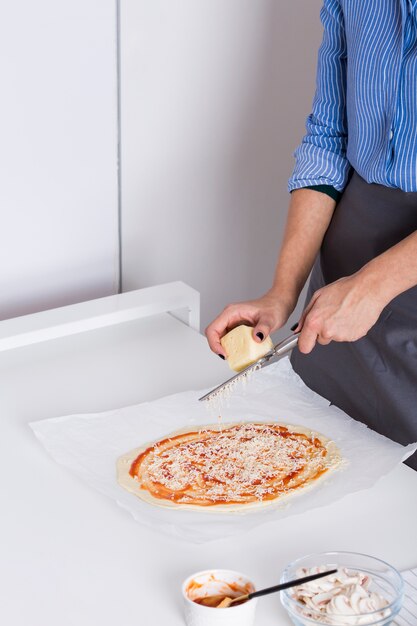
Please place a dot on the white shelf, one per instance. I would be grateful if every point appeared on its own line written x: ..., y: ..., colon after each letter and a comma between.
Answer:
x: 178, y: 298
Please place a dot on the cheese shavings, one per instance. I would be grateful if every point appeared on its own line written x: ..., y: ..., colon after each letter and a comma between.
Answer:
x: 239, y: 464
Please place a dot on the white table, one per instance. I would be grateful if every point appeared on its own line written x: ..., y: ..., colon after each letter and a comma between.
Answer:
x: 71, y: 557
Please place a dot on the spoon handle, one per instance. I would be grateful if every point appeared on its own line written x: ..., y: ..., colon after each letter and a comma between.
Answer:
x: 290, y: 583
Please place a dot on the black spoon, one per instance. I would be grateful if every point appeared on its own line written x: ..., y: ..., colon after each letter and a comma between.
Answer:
x: 226, y: 602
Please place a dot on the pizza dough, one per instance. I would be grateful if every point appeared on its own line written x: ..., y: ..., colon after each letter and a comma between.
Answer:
x: 229, y: 467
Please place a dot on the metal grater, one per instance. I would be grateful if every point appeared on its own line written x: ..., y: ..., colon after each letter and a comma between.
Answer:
x: 277, y: 351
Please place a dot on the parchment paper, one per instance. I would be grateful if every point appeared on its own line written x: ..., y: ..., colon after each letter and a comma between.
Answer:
x: 90, y: 444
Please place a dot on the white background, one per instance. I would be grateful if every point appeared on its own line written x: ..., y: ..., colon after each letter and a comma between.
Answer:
x: 214, y: 97
x: 58, y: 153
x: 214, y: 100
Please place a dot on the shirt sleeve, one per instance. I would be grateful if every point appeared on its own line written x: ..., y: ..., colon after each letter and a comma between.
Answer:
x: 321, y: 156
x: 328, y: 190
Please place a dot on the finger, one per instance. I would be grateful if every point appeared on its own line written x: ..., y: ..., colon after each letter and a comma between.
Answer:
x: 227, y: 320
x: 298, y: 326
x: 322, y: 341
x: 214, y: 332
x: 302, y: 320
x: 262, y: 330
x: 307, y: 340
x: 309, y: 333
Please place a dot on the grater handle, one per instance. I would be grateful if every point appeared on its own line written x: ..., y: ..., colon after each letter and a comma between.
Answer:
x: 284, y: 346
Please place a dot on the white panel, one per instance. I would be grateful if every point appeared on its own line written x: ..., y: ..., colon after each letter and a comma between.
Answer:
x: 58, y: 153
x: 214, y: 100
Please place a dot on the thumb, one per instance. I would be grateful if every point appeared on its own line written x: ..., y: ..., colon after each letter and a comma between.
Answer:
x: 261, y: 330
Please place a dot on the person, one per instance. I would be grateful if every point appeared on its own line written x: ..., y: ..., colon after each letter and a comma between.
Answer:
x: 353, y: 219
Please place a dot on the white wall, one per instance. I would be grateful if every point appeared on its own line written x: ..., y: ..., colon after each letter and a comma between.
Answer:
x: 58, y: 153
x: 214, y: 99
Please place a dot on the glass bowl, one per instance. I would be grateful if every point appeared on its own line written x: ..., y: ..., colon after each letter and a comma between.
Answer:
x: 385, y: 580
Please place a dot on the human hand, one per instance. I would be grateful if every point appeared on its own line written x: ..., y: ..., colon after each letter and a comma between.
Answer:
x: 341, y: 311
x: 265, y: 314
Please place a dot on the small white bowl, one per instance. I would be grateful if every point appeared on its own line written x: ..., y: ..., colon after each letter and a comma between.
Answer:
x: 215, y: 582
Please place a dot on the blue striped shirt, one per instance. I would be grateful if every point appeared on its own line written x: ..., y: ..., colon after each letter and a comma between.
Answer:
x: 365, y: 107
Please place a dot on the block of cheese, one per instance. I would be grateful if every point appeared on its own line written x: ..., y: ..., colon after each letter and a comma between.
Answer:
x: 241, y: 348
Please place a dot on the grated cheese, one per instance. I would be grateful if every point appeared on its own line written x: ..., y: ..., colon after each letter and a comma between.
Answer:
x: 238, y: 464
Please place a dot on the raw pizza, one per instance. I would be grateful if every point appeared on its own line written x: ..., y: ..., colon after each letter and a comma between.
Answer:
x: 228, y: 468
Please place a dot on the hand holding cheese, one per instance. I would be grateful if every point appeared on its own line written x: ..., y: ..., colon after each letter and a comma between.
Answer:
x: 241, y: 348
x: 264, y: 315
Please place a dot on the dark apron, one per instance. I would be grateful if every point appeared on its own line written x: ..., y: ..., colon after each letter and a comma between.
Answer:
x: 374, y: 379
